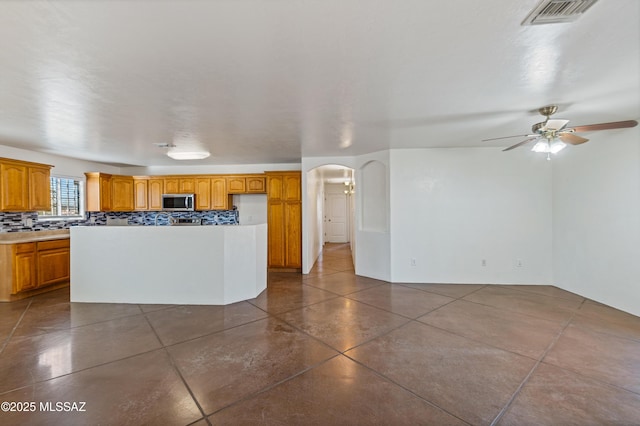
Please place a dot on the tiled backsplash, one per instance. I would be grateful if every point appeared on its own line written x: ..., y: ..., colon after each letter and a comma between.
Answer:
x: 22, y: 222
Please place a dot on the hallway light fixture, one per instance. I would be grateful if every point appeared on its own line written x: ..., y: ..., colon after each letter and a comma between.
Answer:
x: 350, y: 186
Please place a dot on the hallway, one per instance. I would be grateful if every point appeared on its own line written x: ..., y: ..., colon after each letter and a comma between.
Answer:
x: 327, y: 348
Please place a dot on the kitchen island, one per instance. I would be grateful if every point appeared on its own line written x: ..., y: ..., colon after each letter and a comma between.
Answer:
x: 197, y: 265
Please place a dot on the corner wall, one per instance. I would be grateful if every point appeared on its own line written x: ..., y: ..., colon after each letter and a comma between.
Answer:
x: 373, y: 235
x: 596, y: 219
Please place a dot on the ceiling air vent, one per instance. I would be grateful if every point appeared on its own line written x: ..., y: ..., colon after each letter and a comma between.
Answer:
x: 557, y: 11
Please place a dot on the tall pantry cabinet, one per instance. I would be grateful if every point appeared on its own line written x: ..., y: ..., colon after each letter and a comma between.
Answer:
x: 284, y: 218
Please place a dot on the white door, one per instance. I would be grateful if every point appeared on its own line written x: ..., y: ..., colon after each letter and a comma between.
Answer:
x: 336, y: 220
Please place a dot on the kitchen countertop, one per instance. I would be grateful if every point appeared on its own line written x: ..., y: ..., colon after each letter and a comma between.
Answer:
x: 32, y: 236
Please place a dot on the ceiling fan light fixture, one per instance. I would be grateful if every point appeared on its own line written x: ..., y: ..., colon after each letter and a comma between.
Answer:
x: 557, y: 146
x: 548, y: 147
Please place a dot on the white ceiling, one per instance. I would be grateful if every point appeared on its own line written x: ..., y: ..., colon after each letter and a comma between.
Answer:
x: 257, y: 81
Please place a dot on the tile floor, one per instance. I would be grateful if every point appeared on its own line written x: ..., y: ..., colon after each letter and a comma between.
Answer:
x: 329, y: 348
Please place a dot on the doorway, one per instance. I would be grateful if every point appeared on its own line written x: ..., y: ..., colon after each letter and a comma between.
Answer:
x: 336, y: 214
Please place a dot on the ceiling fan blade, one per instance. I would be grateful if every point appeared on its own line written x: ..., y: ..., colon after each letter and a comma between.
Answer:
x: 555, y: 124
x: 519, y: 144
x: 606, y: 126
x: 507, y: 137
x: 572, y: 139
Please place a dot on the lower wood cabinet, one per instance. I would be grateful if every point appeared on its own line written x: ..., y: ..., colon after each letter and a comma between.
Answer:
x: 33, y: 266
x: 24, y: 267
x: 54, y: 260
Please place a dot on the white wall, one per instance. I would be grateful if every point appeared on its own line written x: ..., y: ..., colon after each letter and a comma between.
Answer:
x: 451, y: 208
x: 596, y: 219
x: 314, y: 206
x: 63, y: 166
x: 373, y: 258
x: 252, y: 208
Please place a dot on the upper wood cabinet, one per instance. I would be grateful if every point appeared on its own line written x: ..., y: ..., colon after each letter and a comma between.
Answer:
x: 171, y: 186
x: 154, y: 195
x: 140, y: 193
x: 98, y: 192
x: 121, y: 193
x: 202, y: 191
x: 24, y: 186
x: 105, y: 192
x: 179, y: 185
x: 256, y: 184
x: 39, y: 188
x: 236, y: 185
x: 219, y: 195
x: 246, y: 184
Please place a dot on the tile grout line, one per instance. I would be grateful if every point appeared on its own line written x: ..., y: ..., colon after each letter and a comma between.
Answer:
x: 15, y: 327
x: 177, y: 371
x: 506, y: 407
x: 273, y: 385
x: 382, y: 376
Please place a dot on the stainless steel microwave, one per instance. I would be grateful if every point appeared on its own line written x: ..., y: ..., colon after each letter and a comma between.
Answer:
x: 178, y: 202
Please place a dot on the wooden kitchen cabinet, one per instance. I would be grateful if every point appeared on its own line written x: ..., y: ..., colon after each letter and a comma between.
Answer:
x: 53, y: 264
x: 98, y: 192
x: 105, y: 192
x: 39, y: 188
x: 24, y: 267
x: 246, y: 184
x: 15, y: 187
x: 256, y: 184
x: 186, y: 186
x: 140, y: 193
x: 29, y: 268
x: 24, y: 186
x: 284, y: 218
x: 202, y: 192
x: 155, y: 188
x: 179, y: 185
x: 171, y: 186
x: 121, y: 193
x: 219, y: 195
x: 236, y: 185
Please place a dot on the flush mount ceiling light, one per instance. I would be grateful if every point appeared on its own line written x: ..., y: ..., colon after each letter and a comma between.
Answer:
x: 187, y: 155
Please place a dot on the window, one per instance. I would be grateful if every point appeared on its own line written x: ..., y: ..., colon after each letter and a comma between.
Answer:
x: 66, y: 199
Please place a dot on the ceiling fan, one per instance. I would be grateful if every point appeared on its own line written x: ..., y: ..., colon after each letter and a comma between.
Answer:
x: 552, y: 135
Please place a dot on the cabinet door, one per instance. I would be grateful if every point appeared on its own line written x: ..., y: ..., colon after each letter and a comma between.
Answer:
x: 274, y: 187
x: 292, y: 187
x: 105, y: 193
x: 293, y: 234
x: 24, y: 267
x: 219, y: 196
x: 122, y: 193
x: 15, y: 189
x: 140, y: 194
x: 53, y: 266
x: 236, y: 185
x: 155, y: 194
x: 203, y: 193
x: 172, y: 186
x: 187, y: 186
x: 256, y: 184
x: 276, y: 236
x: 39, y: 189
